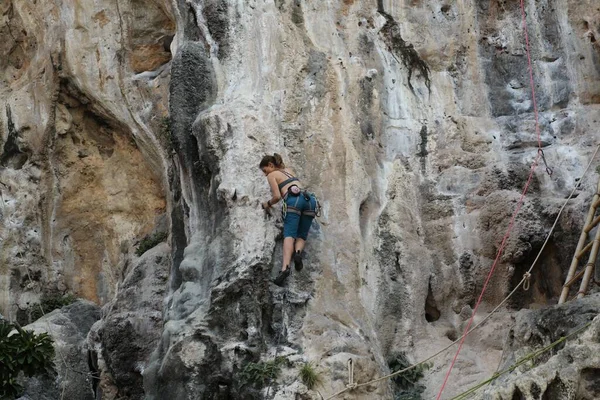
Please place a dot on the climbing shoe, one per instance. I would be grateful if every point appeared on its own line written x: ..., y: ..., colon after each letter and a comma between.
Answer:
x: 298, y: 261
x: 281, y: 277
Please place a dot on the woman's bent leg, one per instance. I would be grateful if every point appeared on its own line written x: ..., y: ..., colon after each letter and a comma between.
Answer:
x: 299, y: 245
x: 290, y: 229
x: 288, y: 249
x: 303, y: 228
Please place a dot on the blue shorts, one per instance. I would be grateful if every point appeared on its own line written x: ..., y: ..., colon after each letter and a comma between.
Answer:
x: 297, y: 223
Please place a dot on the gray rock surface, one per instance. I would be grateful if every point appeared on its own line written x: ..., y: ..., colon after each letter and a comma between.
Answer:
x: 419, y: 148
x: 569, y: 371
x: 68, y: 327
x: 412, y: 121
x: 81, y: 148
x: 122, y: 341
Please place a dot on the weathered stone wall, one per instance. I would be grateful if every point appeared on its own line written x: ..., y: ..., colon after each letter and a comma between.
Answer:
x: 82, y: 169
x: 411, y: 120
x: 568, y: 370
x: 71, y: 378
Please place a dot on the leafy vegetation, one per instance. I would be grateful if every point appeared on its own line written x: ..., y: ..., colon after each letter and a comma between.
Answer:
x: 22, y: 352
x: 49, y: 303
x: 150, y: 241
x: 309, y: 376
x: 261, y: 373
x: 407, y: 386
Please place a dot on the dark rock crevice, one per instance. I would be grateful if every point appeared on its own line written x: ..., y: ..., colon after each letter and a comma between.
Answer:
x: 403, y: 51
x: 556, y: 390
x: 193, y: 87
x: 94, y: 371
x: 546, y: 282
x: 367, y: 86
x: 12, y: 155
x: 432, y: 313
x: 589, y: 385
x: 179, y: 214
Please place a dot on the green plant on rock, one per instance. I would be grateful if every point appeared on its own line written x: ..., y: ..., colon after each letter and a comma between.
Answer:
x: 150, y: 241
x: 22, y: 352
x: 406, y: 383
x: 309, y: 376
x: 261, y: 373
x: 50, y: 302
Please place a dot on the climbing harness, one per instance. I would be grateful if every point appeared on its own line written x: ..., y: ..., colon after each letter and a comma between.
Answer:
x: 295, y: 190
x: 295, y: 210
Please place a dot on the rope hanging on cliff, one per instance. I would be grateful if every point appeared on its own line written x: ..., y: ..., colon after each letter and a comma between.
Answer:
x: 540, y: 155
x: 585, y: 171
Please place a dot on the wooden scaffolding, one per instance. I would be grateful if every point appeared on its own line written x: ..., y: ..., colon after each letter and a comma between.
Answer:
x: 584, y: 246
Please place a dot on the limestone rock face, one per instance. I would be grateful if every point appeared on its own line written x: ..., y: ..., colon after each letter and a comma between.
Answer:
x: 412, y: 121
x: 122, y: 342
x: 568, y: 371
x: 69, y: 328
x: 81, y: 166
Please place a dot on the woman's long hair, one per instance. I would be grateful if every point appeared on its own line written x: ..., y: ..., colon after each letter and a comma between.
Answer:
x: 275, y: 159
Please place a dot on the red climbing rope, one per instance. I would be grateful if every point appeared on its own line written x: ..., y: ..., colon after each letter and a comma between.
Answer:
x: 539, y: 155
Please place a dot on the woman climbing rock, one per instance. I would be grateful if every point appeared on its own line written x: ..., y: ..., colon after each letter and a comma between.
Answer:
x: 299, y: 210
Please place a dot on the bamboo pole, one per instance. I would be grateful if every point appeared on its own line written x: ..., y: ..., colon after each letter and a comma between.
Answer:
x: 577, y: 276
x: 589, y: 268
x: 592, y: 224
x: 582, y: 239
x: 583, y: 251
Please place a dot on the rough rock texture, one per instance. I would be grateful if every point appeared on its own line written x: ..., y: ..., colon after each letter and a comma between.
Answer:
x: 569, y: 371
x: 68, y: 327
x: 81, y: 169
x: 411, y: 120
x: 121, y: 343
